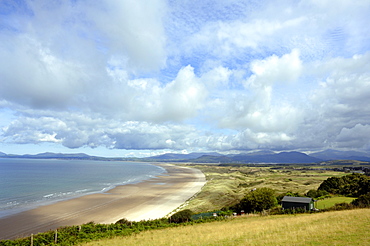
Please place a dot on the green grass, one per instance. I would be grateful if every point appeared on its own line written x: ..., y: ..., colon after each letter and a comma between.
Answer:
x: 344, y: 228
x: 330, y: 202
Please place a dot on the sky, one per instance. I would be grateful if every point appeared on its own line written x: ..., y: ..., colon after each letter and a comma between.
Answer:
x: 138, y: 78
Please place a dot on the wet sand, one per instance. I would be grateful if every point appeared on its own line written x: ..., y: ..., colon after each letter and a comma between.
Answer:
x: 151, y: 199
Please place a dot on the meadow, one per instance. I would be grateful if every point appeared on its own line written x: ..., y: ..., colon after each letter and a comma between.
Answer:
x: 226, y: 185
x: 349, y: 227
x: 329, y: 202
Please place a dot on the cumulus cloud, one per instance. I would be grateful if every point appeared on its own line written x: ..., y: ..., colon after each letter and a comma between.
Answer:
x: 183, y: 75
x: 254, y: 107
x: 274, y: 69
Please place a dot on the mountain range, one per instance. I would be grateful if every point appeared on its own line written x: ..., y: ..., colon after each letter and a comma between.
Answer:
x: 214, y: 157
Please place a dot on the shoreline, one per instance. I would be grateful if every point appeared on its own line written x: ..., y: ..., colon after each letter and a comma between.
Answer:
x: 150, y: 199
x: 75, y: 193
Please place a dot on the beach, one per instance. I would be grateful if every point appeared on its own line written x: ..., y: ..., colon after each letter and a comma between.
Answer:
x: 150, y: 199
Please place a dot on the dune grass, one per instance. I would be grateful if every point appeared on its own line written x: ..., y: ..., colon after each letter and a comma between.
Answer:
x: 349, y: 227
x: 226, y: 185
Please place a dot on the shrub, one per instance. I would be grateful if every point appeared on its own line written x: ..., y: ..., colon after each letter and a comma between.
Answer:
x: 288, y: 193
x: 181, y: 216
x: 317, y: 193
x: 257, y: 201
x: 123, y: 221
x: 340, y: 206
x: 226, y: 213
x: 363, y: 201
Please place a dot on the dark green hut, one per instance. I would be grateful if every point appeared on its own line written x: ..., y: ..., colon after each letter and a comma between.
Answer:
x: 290, y: 202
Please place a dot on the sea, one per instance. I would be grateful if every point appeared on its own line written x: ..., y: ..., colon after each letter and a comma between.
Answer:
x: 30, y: 183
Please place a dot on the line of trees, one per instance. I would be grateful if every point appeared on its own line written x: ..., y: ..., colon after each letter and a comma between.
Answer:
x: 353, y: 185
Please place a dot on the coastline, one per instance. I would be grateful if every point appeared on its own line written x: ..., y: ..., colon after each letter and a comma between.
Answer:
x: 150, y: 199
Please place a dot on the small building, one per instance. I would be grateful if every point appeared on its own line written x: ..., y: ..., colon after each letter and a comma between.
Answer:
x: 290, y: 202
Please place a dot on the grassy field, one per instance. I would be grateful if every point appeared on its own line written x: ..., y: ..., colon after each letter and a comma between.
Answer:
x: 329, y: 202
x: 228, y: 184
x: 348, y: 227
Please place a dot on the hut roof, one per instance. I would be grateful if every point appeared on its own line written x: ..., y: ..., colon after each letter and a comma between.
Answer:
x: 297, y: 199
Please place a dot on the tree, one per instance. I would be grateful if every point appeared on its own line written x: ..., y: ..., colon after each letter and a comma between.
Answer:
x: 317, y: 193
x: 288, y: 193
x: 258, y: 200
x: 363, y: 201
x: 350, y: 185
x: 181, y: 216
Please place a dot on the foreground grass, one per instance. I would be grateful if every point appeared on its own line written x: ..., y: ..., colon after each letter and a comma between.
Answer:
x: 348, y: 227
x: 227, y: 185
x: 330, y: 202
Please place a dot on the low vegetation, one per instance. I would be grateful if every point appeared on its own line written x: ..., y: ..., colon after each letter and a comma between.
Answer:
x: 72, y: 235
x: 344, y: 228
x: 256, y: 201
x: 228, y: 184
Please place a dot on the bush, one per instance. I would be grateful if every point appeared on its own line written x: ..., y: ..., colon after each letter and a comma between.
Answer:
x: 123, y: 221
x: 340, y: 206
x: 363, y: 201
x: 257, y: 201
x: 288, y: 193
x: 317, y: 193
x: 226, y: 213
x: 181, y: 216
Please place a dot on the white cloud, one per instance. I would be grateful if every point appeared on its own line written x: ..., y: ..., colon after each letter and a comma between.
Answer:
x: 183, y: 75
x: 183, y: 96
x: 274, y: 69
x: 133, y: 29
x: 255, y: 108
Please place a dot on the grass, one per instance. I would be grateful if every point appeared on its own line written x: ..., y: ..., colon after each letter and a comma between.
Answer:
x: 226, y: 185
x: 349, y: 227
x: 329, y: 202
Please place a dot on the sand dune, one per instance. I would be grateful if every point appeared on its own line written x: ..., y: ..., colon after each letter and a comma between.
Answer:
x: 151, y: 199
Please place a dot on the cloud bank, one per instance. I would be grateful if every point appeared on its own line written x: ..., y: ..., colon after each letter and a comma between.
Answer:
x: 192, y: 76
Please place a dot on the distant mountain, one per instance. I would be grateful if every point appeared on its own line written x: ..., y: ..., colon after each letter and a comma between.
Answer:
x: 254, y: 157
x: 330, y: 154
x: 49, y: 155
x: 213, y: 159
x: 60, y: 155
x: 173, y: 156
x: 2, y: 154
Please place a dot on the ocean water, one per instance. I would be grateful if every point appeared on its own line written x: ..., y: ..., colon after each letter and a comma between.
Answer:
x: 29, y: 183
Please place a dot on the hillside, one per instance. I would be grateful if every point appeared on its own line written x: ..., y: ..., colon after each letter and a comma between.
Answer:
x: 348, y: 227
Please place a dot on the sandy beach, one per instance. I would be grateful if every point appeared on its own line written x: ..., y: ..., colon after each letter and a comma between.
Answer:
x: 151, y: 199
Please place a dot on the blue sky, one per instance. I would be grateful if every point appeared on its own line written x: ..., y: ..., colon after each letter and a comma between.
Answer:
x: 137, y: 78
